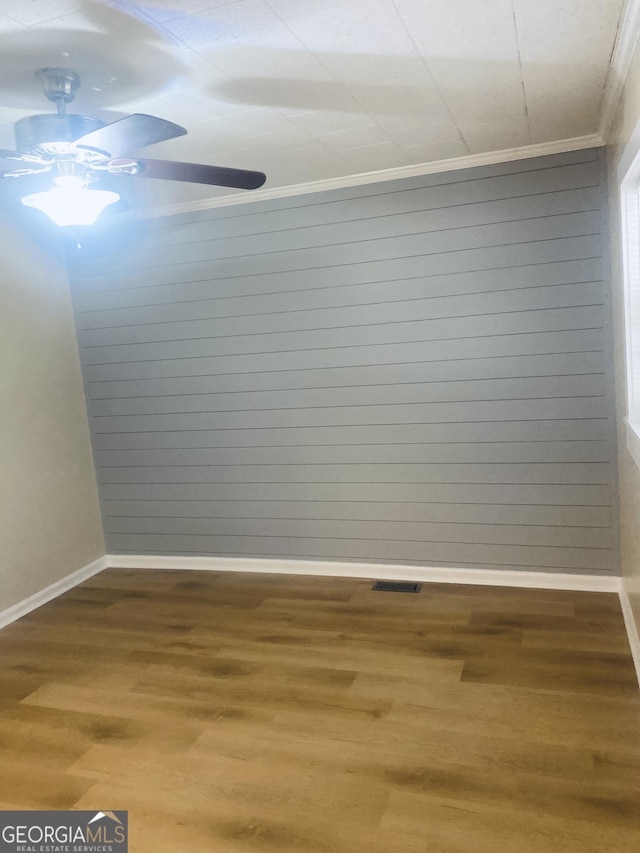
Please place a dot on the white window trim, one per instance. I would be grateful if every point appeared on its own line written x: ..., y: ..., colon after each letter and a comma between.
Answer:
x: 629, y: 186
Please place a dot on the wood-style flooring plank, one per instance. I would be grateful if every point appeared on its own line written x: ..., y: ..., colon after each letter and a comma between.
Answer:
x: 254, y: 713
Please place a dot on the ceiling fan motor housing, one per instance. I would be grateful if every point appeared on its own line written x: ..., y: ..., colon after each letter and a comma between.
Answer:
x: 33, y: 132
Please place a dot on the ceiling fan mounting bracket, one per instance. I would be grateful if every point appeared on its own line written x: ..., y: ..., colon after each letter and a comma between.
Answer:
x: 125, y: 166
x: 58, y: 85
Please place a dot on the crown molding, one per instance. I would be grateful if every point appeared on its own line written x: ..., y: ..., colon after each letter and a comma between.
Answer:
x: 623, y: 50
x: 469, y: 161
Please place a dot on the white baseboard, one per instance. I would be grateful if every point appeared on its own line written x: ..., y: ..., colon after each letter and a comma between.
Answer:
x: 425, y: 574
x: 632, y: 628
x: 50, y: 592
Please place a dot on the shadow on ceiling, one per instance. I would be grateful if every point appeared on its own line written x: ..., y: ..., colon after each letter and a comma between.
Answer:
x: 481, y: 83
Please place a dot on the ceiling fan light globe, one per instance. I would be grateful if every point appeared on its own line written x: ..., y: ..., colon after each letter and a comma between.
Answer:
x: 70, y: 182
x: 71, y: 203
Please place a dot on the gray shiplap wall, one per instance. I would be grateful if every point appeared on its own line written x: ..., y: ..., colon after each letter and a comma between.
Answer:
x: 413, y: 372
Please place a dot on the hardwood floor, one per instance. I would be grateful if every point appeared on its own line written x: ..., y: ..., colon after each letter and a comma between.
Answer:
x: 240, y: 713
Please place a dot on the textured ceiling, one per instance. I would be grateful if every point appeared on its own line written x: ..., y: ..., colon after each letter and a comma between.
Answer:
x: 312, y: 89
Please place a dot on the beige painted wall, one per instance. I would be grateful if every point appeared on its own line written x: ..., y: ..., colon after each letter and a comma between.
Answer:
x: 627, y: 117
x: 49, y: 513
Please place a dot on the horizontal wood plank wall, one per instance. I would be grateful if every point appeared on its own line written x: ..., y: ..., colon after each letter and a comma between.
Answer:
x: 412, y: 372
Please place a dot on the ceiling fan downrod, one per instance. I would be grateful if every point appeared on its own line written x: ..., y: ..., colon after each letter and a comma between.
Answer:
x: 59, y: 85
x: 49, y: 133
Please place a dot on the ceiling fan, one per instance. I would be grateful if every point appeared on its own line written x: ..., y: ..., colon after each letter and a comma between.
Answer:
x: 77, y: 150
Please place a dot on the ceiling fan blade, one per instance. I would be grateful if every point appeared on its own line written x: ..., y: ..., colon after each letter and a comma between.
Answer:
x: 127, y: 134
x: 197, y: 173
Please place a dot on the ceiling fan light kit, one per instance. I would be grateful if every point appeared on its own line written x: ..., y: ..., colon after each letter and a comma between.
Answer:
x: 78, y: 149
x: 70, y: 202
